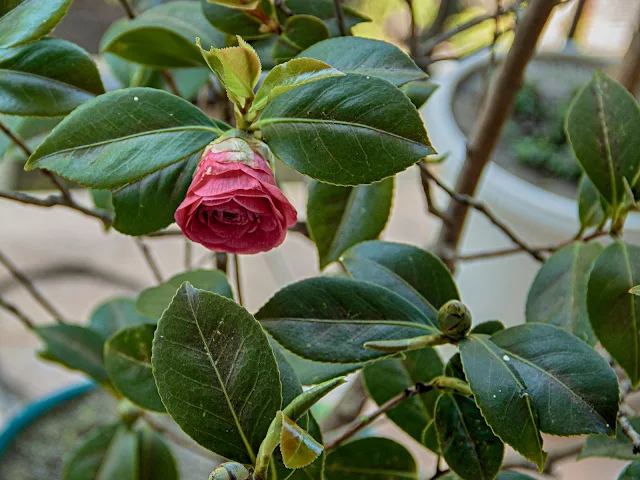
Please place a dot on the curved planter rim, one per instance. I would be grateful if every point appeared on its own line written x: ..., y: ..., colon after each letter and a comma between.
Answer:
x: 36, y: 409
x: 511, y: 193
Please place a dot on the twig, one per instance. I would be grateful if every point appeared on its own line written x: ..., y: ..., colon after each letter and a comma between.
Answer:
x: 488, y: 127
x: 576, y: 19
x: 492, y: 53
x: 171, y: 82
x: 188, y: 254
x: 514, y: 250
x: 55, y: 200
x: 238, y: 278
x: 127, y: 8
x: 17, y: 313
x: 629, y: 74
x: 436, y: 27
x: 150, y: 260
x: 342, y: 28
x: 362, y: 422
x: 348, y: 408
x: 469, y: 201
x: 425, y: 179
x: 179, y: 440
x: 413, y: 29
x: 627, y: 428
x: 30, y: 287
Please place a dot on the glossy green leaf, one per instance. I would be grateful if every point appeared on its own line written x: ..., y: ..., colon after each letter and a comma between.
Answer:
x: 102, y: 200
x: 340, y: 217
x: 601, y: 126
x: 48, y: 78
x: 488, y: 328
x: 87, y: 458
x: 329, y: 319
x: 613, y: 312
x: 560, y: 375
x: 367, y: 57
x: 237, y: 4
x: 371, y: 458
x: 419, y: 91
x: 468, y: 445
x: 558, y: 294
x: 299, y: 33
x: 156, y: 459
x: 298, y: 447
x: 137, y: 142
x: 591, y: 205
x: 290, y: 75
x: 127, y: 358
x: 347, y: 130
x: 325, y: 10
x: 237, y: 68
x: 503, y: 475
x: 418, y: 276
x: 502, y: 397
x: 164, y: 37
x: 386, y: 378
x: 619, y: 447
x: 29, y: 20
x: 631, y: 472
x: 216, y: 373
x: 114, y: 314
x: 75, y: 347
x: 153, y: 301
x: 233, y: 21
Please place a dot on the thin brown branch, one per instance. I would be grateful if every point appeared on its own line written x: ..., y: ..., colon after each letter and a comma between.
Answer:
x: 425, y: 179
x: 348, y: 408
x: 363, y: 421
x: 342, y: 27
x: 494, y: 114
x: 180, y: 440
x: 56, y: 200
x: 469, y: 201
x: 17, y: 313
x: 413, y: 30
x: 514, y: 250
x: 436, y: 27
x: 576, y: 19
x: 629, y: 74
x: 30, y: 287
x: 170, y: 82
x: 238, y: 278
x: 128, y: 9
x: 625, y: 425
x: 148, y: 256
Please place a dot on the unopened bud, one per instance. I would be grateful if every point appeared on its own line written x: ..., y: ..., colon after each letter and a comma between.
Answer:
x: 454, y: 319
x: 231, y: 471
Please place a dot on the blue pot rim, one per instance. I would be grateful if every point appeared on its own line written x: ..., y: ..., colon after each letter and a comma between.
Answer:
x: 36, y: 409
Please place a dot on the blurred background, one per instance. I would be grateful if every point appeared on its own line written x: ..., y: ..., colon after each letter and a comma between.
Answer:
x: 76, y: 264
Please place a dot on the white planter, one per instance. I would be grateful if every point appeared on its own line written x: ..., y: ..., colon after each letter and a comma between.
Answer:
x: 497, y: 288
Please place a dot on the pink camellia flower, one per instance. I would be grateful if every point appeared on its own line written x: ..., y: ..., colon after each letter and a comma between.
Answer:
x: 233, y: 203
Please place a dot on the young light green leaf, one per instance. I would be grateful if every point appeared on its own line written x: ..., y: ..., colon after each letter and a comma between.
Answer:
x: 163, y: 37
x: 305, y: 400
x: 502, y: 397
x: 298, y: 447
x: 371, y: 458
x: 468, y: 445
x: 419, y: 91
x: 29, y: 20
x: 216, y: 373
x: 613, y: 313
x: 153, y: 301
x: 592, y: 208
x: 346, y: 130
x: 75, y: 347
x: 367, y: 57
x: 48, y: 78
x: 601, y: 123
x: 329, y: 319
x: 619, y: 447
x: 299, y: 33
x: 386, y: 378
x: 237, y: 68
x: 292, y: 74
x: 552, y: 363
x: 558, y: 294
x: 115, y: 314
x: 635, y: 290
x: 127, y: 358
x: 341, y: 217
x: 128, y: 141
x: 416, y: 275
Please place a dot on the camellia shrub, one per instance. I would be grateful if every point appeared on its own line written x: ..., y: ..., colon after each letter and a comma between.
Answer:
x: 295, y: 88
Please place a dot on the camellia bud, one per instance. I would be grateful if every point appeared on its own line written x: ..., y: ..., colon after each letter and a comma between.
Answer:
x: 231, y: 471
x: 454, y: 319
